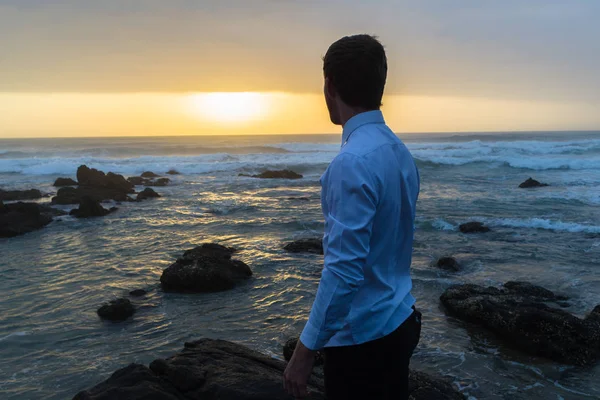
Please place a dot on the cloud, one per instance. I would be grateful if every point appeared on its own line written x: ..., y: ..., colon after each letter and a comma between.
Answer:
x: 511, y: 49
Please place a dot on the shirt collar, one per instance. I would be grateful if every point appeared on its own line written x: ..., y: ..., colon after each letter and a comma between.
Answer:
x: 368, y: 117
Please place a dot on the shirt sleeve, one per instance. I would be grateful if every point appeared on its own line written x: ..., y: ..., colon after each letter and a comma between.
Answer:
x: 349, y: 203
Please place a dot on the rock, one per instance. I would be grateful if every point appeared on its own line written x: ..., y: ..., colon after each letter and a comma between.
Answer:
x: 474, y: 227
x: 136, y: 180
x: 116, y: 310
x: 138, y: 293
x: 422, y: 386
x: 290, y: 346
x: 519, y: 315
x: 207, y: 268
x: 149, y: 174
x: 205, y: 369
x: 305, y: 246
x: 96, y: 185
x: 283, y: 174
x: 12, y: 195
x: 147, y: 194
x: 173, y: 172
x: 89, y: 208
x: 159, y: 182
x: 65, y: 182
x: 531, y: 183
x: 448, y: 264
x: 20, y: 218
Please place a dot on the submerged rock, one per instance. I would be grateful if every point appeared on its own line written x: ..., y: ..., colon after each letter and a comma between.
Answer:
x: 147, y: 194
x: 531, y: 183
x: 447, y: 263
x: 64, y: 182
x: 96, y: 185
x: 138, y: 293
x: 519, y: 314
x: 159, y: 182
x: 20, y: 218
x: 313, y: 245
x: 89, y: 208
x: 149, y: 174
x: 474, y: 227
x: 12, y: 195
x: 173, y: 172
x: 116, y: 310
x: 142, y: 181
x: 205, y: 369
x: 283, y: 174
x: 206, y: 268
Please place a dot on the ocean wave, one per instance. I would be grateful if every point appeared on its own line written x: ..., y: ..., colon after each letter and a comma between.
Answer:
x: 202, y: 164
x: 525, y: 223
x: 534, y: 155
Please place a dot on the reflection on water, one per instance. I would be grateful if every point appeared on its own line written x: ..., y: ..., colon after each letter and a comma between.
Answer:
x: 52, y: 344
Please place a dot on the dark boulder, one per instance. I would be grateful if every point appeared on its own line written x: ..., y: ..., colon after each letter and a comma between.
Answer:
x: 305, y: 246
x: 138, y: 293
x: 96, y: 185
x: 147, y: 194
x: 159, y: 182
x: 12, y: 195
x: 447, y: 263
x: 89, y: 208
x: 474, y: 227
x: 283, y: 174
x: 422, y: 386
x: 173, y: 172
x: 136, y: 180
x: 20, y: 218
x: 205, y: 370
x: 64, y: 182
x: 207, y: 268
x: 522, y: 315
x: 531, y: 183
x: 290, y: 346
x: 149, y: 174
x: 116, y: 310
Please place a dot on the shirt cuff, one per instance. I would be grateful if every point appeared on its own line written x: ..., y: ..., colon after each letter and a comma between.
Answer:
x: 310, y: 337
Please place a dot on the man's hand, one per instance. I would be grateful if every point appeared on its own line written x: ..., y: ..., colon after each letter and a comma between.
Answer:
x: 298, y: 371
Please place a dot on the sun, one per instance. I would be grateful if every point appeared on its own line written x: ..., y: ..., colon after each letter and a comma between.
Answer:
x: 230, y: 107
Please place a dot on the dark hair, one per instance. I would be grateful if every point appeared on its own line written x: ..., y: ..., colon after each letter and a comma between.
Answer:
x: 357, y: 68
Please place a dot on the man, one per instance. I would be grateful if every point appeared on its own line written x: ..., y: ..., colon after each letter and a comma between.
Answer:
x: 363, y: 316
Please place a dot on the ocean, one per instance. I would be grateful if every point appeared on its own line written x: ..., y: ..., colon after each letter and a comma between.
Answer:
x: 52, y: 343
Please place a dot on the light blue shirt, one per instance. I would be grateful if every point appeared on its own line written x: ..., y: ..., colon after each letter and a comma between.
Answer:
x: 368, y: 196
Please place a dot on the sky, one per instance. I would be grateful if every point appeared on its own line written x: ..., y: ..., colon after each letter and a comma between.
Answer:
x: 148, y: 67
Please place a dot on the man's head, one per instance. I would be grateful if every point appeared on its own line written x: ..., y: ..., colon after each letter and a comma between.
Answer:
x: 355, y: 70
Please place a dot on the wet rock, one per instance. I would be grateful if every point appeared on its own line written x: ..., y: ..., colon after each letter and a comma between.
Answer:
x: 64, y: 182
x: 474, y: 227
x: 147, y: 194
x: 313, y: 245
x: 116, y: 310
x: 205, y: 369
x: 138, y: 293
x: 136, y: 180
x: 422, y: 386
x: 448, y: 264
x: 521, y: 314
x: 206, y: 268
x: 173, y: 172
x: 283, y: 174
x: 139, y: 181
x: 149, y: 174
x: 531, y: 183
x: 96, y: 185
x: 290, y: 346
x: 20, y: 218
x: 89, y: 208
x: 12, y: 195
x: 159, y: 182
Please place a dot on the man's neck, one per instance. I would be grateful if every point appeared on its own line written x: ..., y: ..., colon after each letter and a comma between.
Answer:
x: 346, y: 113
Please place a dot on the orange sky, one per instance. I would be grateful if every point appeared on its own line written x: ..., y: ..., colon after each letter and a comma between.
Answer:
x: 89, y: 68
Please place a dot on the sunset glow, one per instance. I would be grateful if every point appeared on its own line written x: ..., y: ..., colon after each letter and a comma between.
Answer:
x: 230, y: 107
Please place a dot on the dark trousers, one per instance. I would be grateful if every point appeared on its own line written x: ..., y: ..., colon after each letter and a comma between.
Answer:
x: 376, y: 370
